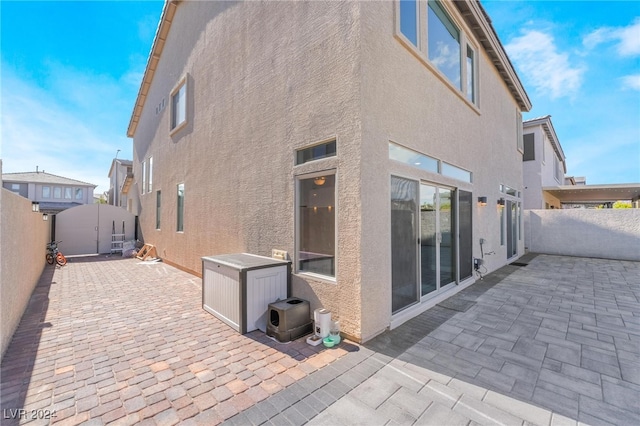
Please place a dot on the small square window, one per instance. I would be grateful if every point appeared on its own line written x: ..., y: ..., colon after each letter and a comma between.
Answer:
x: 179, y: 105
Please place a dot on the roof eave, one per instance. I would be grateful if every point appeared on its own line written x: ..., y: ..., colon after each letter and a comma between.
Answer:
x: 480, y: 24
x: 166, y: 18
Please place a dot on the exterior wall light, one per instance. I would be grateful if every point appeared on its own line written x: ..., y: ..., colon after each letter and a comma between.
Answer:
x: 35, y: 206
x: 319, y: 180
x: 45, y: 216
x: 501, y: 202
x: 482, y: 201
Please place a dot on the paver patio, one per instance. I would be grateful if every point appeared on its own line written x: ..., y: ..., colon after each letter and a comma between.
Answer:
x: 106, y: 339
x: 555, y: 342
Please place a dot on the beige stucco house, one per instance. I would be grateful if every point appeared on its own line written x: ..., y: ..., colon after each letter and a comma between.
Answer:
x: 544, y: 163
x: 378, y: 143
x: 120, y: 182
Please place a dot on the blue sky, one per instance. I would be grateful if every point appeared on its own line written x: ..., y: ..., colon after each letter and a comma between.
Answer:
x: 70, y: 73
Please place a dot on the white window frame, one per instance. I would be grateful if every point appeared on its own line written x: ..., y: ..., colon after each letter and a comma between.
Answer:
x: 299, y: 178
x: 150, y: 175
x: 421, y: 50
x: 174, y: 125
x: 144, y: 176
x: 180, y: 212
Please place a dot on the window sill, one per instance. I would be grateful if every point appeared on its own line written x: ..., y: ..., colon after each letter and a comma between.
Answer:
x: 316, y: 277
x: 178, y: 128
x: 436, y: 72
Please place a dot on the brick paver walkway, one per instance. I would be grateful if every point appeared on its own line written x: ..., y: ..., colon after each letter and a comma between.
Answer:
x: 106, y: 339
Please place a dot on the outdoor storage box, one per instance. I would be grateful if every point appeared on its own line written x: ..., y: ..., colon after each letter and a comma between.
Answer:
x: 289, y: 319
x: 237, y: 288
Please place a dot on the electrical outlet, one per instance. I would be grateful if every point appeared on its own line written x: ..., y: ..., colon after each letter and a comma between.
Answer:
x: 477, y: 263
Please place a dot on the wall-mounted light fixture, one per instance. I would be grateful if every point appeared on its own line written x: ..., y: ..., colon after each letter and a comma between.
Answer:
x: 501, y: 202
x: 45, y: 216
x: 319, y: 180
x: 482, y: 201
x: 35, y: 206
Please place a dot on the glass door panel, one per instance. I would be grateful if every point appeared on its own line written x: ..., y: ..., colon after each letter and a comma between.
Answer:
x: 428, y: 239
x: 512, y: 244
x: 465, y: 240
x: 446, y: 238
x: 404, y: 248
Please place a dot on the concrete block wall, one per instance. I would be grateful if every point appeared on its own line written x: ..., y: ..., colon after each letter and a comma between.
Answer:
x: 23, y: 237
x: 600, y: 233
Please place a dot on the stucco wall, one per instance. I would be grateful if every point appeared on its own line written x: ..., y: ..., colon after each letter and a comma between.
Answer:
x: 264, y: 79
x: 602, y: 233
x: 267, y: 79
x: 23, y: 237
x: 405, y: 102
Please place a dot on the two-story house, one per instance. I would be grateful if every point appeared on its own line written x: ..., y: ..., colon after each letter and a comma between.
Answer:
x: 544, y: 163
x: 53, y: 193
x: 120, y: 182
x: 378, y: 143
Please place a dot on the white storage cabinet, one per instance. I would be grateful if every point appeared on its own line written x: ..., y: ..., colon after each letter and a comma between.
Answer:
x: 237, y: 288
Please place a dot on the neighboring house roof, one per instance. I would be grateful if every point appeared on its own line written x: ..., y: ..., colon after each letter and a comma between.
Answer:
x: 547, y: 126
x: 43, y: 178
x: 481, y: 25
x: 594, y: 193
x: 472, y: 10
x: 121, y: 162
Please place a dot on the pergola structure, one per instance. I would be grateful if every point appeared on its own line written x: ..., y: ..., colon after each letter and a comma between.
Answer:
x: 596, y: 194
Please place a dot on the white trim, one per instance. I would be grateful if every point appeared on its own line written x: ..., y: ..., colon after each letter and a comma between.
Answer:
x: 183, y: 82
x: 296, y: 233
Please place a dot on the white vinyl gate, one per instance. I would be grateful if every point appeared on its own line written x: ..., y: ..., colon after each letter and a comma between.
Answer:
x: 87, y: 229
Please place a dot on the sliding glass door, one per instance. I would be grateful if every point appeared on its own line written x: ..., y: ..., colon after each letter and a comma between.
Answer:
x: 424, y: 239
x: 404, y: 249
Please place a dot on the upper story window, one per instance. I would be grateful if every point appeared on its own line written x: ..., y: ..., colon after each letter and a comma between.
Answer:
x: 446, y: 50
x: 179, y: 105
x: 529, y: 147
x: 46, y: 192
x: 57, y: 192
x: 68, y: 193
x: 409, y: 20
x: 444, y: 43
x: 79, y: 193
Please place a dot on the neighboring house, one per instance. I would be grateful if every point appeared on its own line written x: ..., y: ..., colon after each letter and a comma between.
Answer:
x: 379, y: 143
x: 120, y: 181
x: 544, y: 163
x: 53, y: 193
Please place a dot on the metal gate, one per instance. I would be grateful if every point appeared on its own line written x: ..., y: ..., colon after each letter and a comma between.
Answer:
x: 87, y: 229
